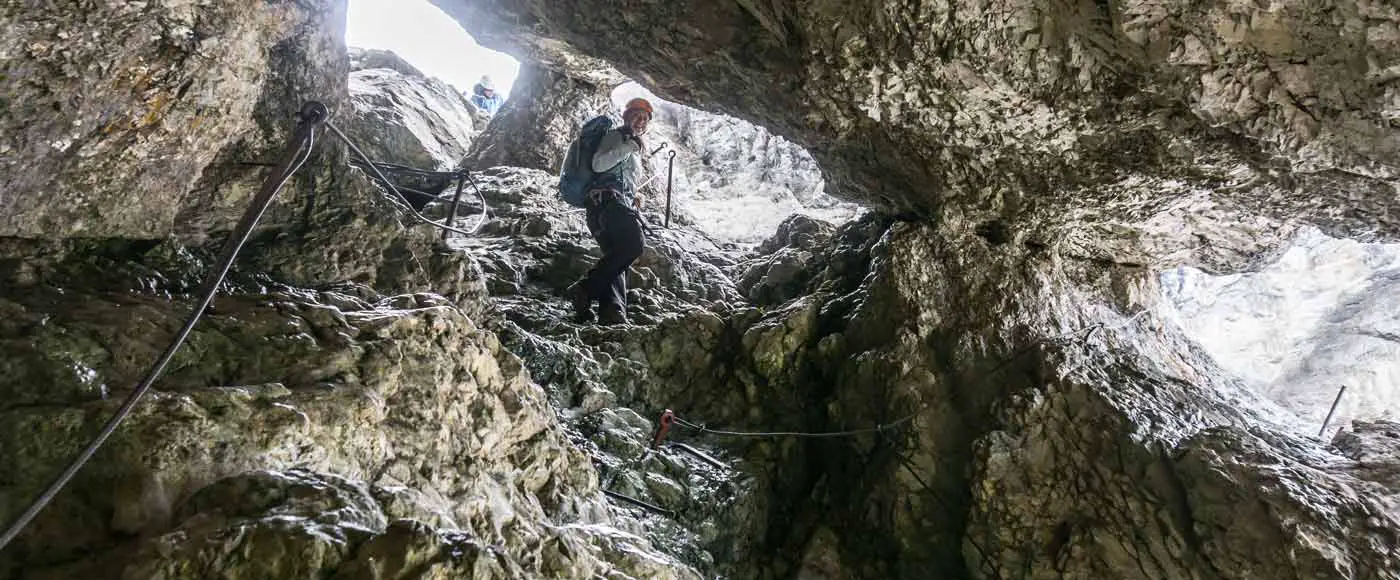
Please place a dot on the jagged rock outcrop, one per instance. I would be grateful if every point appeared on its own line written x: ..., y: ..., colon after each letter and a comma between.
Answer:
x: 784, y: 263
x: 535, y: 126
x: 161, y: 144
x: 372, y: 58
x: 1093, y: 118
x: 402, y: 116
x: 315, y: 423
x: 113, y: 111
x: 1059, y: 440
x: 611, y: 384
x: 1047, y: 433
x: 413, y: 443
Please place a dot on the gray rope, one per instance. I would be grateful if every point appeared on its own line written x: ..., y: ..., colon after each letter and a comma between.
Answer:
x: 232, y: 247
x: 420, y: 217
x: 481, y: 221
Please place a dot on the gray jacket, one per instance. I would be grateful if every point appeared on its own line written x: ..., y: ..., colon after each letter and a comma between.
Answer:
x: 618, y: 161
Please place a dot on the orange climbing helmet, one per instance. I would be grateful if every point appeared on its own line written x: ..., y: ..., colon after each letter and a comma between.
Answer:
x: 638, y: 103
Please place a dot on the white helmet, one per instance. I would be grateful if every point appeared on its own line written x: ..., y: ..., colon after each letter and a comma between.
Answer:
x: 487, y: 83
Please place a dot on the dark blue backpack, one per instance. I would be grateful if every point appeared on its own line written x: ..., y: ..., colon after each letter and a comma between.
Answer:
x: 577, y: 173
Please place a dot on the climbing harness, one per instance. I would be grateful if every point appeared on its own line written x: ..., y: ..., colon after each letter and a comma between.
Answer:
x: 312, y: 115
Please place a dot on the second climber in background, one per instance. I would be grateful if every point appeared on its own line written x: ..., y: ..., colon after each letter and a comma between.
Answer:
x: 485, y: 97
x: 612, y: 217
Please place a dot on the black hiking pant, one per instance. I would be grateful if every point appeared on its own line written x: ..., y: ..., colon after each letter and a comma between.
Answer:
x: 618, y: 231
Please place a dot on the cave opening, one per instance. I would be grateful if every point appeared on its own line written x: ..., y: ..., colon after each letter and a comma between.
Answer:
x: 420, y: 33
x: 732, y: 179
x: 1319, y: 317
x: 376, y: 400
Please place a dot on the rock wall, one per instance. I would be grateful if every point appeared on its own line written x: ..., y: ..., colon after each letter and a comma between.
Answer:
x: 1040, y: 418
x: 357, y: 436
x: 112, y: 112
x: 1059, y: 429
x: 319, y: 422
x: 535, y: 126
x: 1008, y: 401
x: 1037, y: 117
x: 1019, y: 411
x: 402, y: 116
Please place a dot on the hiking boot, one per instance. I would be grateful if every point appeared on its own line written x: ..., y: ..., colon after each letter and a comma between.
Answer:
x: 583, y: 305
x: 610, y: 315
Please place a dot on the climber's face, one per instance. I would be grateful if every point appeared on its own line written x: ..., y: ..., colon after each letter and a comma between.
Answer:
x: 637, y: 121
x: 487, y: 92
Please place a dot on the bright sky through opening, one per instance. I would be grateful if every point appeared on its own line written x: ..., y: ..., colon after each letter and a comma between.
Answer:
x: 428, y: 39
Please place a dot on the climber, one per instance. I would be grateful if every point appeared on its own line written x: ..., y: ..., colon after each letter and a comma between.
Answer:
x: 613, y: 219
x: 484, y: 96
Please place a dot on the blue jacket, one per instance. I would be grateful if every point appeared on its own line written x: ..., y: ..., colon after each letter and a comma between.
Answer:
x: 487, y: 104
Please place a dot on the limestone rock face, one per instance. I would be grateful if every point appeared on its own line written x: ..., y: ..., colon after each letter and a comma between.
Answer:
x: 976, y: 382
x: 1079, y: 437
x: 611, y: 383
x: 403, y: 116
x: 534, y: 127
x: 372, y: 58
x: 113, y: 110
x: 1036, y: 115
x: 785, y: 263
x: 1040, y: 417
x: 322, y: 428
